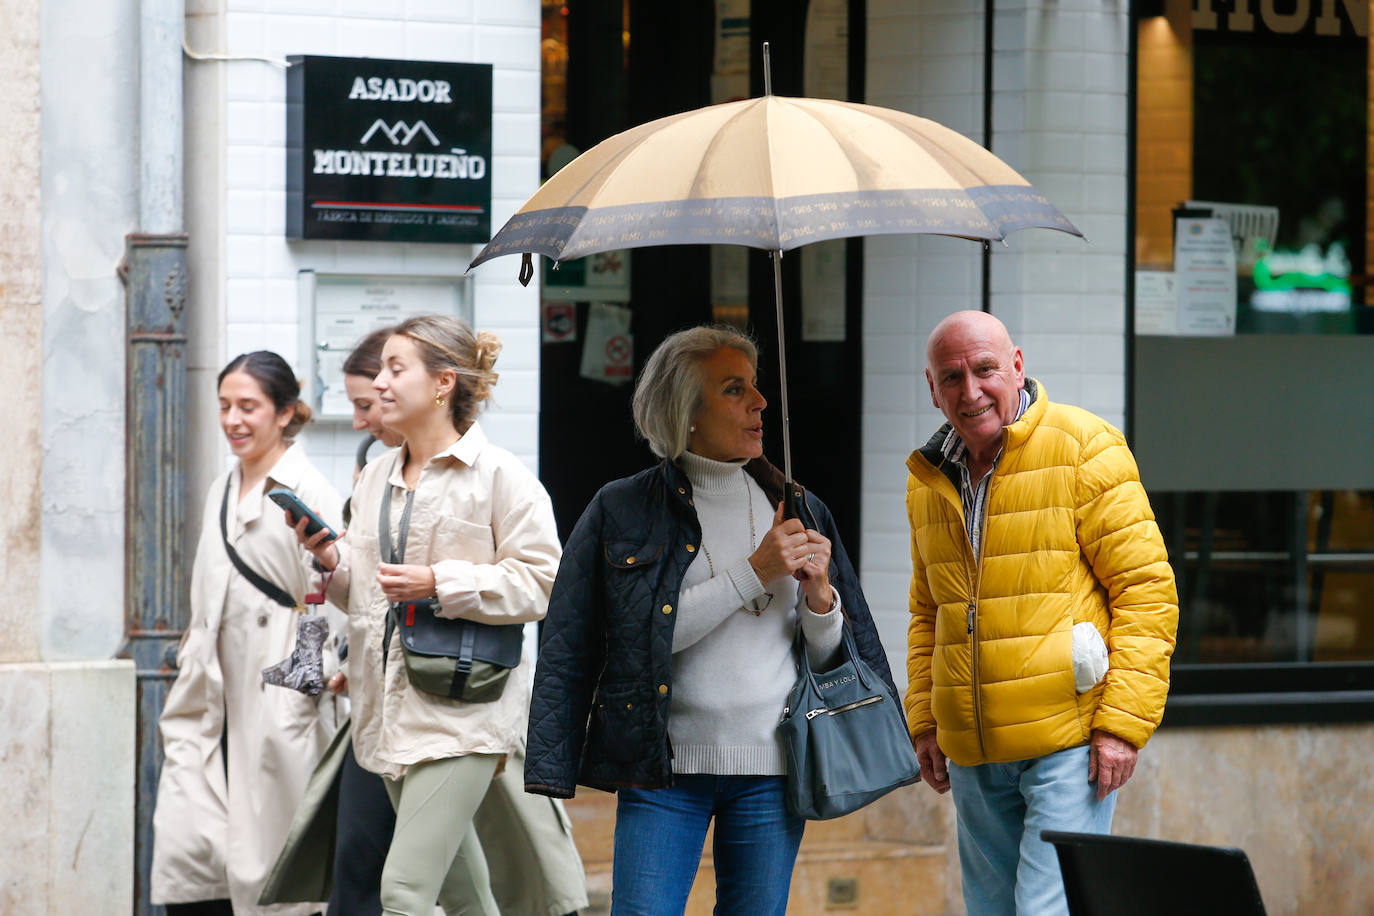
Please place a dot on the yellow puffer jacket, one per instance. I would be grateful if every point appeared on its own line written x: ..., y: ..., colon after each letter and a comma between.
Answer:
x: 1068, y: 537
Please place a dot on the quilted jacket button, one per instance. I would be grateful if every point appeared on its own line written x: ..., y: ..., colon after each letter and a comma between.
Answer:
x: 262, y: 620
x: 667, y: 608
x: 691, y: 548
x: 663, y: 690
x: 629, y: 561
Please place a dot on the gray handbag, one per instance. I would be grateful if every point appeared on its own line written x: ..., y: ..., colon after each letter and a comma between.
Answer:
x: 844, y: 736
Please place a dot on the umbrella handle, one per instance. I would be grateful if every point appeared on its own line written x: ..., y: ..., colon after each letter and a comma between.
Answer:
x: 791, y: 501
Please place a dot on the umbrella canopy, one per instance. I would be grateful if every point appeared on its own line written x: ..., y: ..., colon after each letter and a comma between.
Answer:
x: 774, y: 173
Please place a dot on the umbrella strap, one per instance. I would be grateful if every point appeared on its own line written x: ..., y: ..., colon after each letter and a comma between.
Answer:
x: 526, y: 269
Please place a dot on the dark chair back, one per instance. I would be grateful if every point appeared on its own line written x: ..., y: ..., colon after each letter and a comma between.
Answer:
x: 1129, y: 876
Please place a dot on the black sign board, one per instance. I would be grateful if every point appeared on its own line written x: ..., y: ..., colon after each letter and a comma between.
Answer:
x: 388, y: 150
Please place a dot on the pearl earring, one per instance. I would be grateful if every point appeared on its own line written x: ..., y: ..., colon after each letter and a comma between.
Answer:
x: 692, y: 428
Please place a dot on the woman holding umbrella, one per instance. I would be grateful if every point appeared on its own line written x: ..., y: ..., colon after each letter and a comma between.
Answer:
x: 666, y: 656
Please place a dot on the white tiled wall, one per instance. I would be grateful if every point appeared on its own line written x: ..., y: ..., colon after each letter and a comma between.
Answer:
x: 1059, y: 117
x: 1059, y: 103
x: 260, y: 304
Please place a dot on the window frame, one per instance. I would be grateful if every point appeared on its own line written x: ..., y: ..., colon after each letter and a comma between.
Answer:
x: 1242, y: 693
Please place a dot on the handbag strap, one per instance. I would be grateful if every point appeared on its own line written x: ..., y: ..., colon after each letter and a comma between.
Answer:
x: 276, y: 593
x: 851, y: 651
x: 385, y: 549
x: 384, y: 521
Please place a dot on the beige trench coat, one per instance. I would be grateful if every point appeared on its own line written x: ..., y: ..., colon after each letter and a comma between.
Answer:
x: 483, y: 522
x: 218, y: 826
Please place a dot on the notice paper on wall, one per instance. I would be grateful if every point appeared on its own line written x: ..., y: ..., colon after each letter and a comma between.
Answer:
x: 1156, y: 302
x: 1205, y: 268
x: 608, y: 349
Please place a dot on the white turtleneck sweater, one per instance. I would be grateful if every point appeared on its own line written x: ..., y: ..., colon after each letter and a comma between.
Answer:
x: 732, y: 670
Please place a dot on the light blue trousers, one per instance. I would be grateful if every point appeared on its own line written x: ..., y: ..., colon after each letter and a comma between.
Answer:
x: 1002, y: 807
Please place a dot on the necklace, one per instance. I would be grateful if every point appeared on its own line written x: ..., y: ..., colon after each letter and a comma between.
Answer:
x: 754, y: 607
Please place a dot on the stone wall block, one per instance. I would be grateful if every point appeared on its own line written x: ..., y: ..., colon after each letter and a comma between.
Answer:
x: 91, y: 835
x: 26, y: 790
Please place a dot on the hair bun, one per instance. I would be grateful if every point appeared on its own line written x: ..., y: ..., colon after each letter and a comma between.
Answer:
x: 488, y: 348
x: 301, y: 414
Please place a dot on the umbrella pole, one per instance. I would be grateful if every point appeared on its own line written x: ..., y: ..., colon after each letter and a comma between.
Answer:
x: 792, y: 494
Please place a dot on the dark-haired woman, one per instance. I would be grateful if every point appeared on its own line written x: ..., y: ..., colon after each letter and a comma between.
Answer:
x: 238, y: 753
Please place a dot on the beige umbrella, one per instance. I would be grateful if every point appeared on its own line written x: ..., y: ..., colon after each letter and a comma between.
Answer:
x: 773, y: 173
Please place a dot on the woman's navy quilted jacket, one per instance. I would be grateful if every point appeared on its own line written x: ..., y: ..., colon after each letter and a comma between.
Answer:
x: 603, y: 686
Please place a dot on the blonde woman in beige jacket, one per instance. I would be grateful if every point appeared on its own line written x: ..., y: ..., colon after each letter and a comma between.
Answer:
x: 238, y: 753
x: 480, y: 538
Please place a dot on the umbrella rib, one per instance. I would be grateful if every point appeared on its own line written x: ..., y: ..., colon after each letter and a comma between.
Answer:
x: 953, y: 156
x: 608, y: 171
x: 941, y: 155
x: 773, y: 196
x: 746, y: 108
x: 920, y: 141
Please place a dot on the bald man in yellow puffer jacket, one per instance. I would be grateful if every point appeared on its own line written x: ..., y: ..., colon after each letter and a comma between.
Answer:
x: 1028, y: 520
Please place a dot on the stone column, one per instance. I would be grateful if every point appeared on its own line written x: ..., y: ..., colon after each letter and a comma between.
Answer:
x: 21, y: 310
x: 24, y: 697
x: 67, y: 797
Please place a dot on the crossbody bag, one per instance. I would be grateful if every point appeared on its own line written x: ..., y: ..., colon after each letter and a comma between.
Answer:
x: 448, y: 657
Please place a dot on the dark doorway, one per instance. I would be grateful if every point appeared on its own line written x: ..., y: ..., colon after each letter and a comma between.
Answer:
x: 625, y: 62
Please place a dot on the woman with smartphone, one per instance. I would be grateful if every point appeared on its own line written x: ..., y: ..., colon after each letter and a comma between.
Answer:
x: 238, y: 752
x: 451, y: 526
x: 533, y: 863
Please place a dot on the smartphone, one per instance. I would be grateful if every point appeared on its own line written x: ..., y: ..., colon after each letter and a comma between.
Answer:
x: 299, y: 510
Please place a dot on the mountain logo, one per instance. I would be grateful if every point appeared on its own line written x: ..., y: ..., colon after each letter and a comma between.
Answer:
x: 400, y: 133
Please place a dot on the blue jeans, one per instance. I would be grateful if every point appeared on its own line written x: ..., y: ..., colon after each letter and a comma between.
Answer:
x: 659, y: 835
x: 1002, y: 807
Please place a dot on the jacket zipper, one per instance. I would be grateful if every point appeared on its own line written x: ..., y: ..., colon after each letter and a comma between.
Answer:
x: 976, y: 578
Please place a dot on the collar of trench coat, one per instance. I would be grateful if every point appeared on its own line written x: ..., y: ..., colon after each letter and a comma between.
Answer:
x: 287, y: 472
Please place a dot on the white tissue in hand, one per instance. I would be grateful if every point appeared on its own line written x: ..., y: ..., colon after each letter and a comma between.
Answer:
x: 1089, y: 657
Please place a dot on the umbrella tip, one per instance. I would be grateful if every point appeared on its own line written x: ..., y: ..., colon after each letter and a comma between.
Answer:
x: 767, y: 72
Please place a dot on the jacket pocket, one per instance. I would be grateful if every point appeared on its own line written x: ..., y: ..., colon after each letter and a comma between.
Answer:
x: 632, y: 554
x: 1089, y: 657
x: 621, y: 722
x: 464, y: 540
